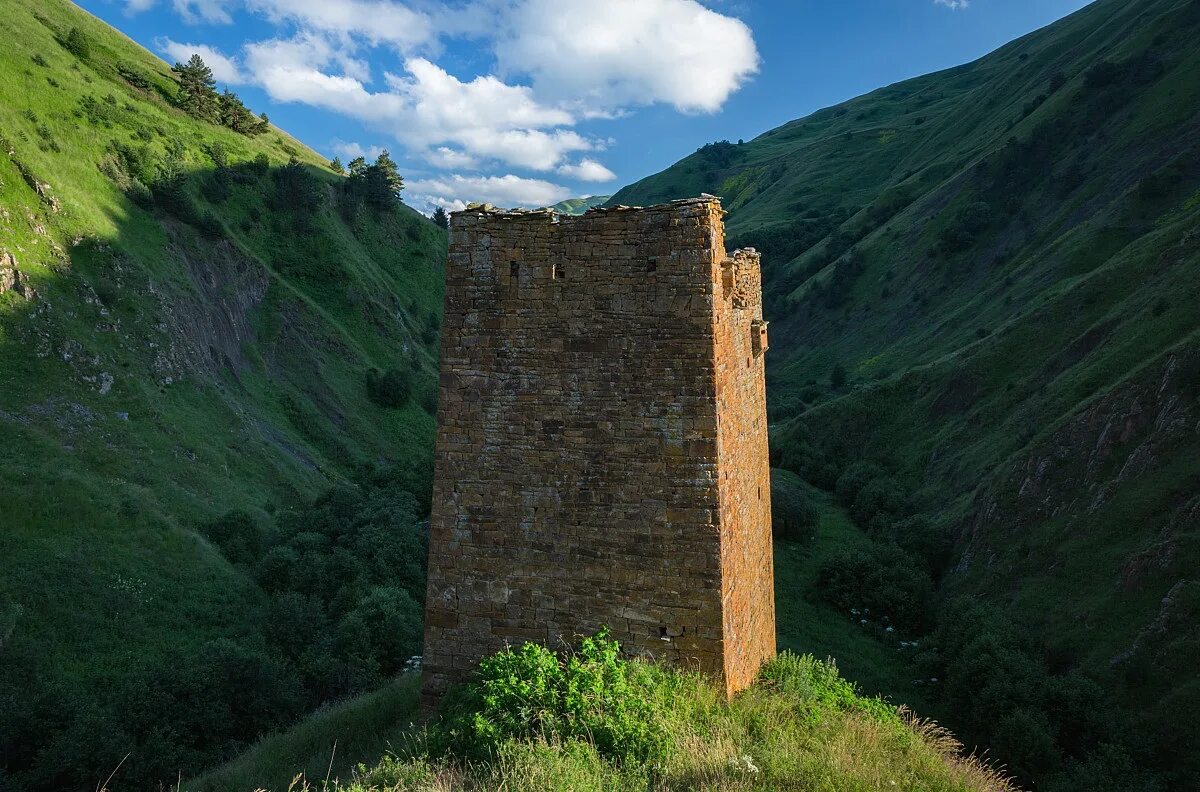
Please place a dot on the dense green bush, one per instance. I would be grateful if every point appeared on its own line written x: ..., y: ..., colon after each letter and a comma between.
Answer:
x: 391, y: 389
x: 854, y: 478
x: 531, y: 692
x: 793, y: 515
x: 889, y: 584
x: 879, y: 502
x: 77, y: 43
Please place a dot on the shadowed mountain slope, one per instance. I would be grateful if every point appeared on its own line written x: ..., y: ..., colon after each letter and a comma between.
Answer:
x: 983, y: 289
x: 192, y: 321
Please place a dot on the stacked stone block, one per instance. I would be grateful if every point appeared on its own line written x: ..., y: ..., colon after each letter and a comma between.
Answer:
x: 602, y: 441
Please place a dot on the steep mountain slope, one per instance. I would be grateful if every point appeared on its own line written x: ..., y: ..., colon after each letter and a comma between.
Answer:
x: 983, y: 290
x: 189, y: 325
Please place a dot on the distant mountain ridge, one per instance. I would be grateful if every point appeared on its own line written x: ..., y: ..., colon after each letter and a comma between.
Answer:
x: 577, y: 206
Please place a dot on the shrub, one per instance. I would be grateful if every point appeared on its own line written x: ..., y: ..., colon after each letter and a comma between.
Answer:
x: 879, y: 501
x: 261, y: 164
x: 77, y: 43
x: 589, y: 695
x: 391, y: 389
x: 854, y: 478
x: 296, y: 189
x: 793, y: 515
x: 883, y: 579
x: 237, y: 535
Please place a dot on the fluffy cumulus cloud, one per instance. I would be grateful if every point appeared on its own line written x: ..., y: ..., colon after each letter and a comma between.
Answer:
x: 225, y: 69
x: 608, y: 54
x: 375, y: 21
x: 350, y: 151
x: 454, y: 192
x: 588, y: 170
x: 553, y: 65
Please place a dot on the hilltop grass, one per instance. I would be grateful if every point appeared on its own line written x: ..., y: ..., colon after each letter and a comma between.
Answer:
x: 800, y: 727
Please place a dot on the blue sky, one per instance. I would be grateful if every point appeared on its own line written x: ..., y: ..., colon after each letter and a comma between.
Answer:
x: 527, y: 102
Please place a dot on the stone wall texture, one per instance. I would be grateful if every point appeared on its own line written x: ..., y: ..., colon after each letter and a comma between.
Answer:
x: 602, y: 442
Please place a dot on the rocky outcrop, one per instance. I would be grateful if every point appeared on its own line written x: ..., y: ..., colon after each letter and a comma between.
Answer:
x: 1121, y: 437
x: 11, y: 279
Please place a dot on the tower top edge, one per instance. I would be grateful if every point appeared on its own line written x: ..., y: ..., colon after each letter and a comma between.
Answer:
x: 681, y: 205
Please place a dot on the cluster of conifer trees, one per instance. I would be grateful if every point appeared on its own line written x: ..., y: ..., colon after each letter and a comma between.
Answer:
x: 199, y: 98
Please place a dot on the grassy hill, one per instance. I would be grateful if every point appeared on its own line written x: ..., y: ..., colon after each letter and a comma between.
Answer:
x: 984, y: 340
x: 577, y: 206
x: 193, y: 322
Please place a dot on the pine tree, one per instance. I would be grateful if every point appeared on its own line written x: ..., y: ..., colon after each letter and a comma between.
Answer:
x: 440, y: 219
x: 390, y: 173
x: 197, y: 89
x: 358, y: 168
x: 335, y: 165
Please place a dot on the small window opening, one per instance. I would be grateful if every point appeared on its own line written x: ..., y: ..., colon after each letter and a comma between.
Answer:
x: 651, y: 265
x: 513, y: 269
x: 760, y: 492
x: 748, y: 362
x: 558, y: 272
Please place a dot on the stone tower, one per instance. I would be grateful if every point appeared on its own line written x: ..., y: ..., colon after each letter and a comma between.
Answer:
x: 601, y: 450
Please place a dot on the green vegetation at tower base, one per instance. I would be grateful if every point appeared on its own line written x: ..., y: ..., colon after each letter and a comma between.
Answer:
x: 597, y: 722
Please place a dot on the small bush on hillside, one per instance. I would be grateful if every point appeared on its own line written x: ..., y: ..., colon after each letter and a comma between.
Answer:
x: 391, y: 389
x: 238, y: 535
x: 880, y: 501
x: 134, y: 77
x: 531, y: 692
x: 793, y: 515
x: 297, y: 190
x: 38, y: 60
x: 881, y: 579
x: 260, y: 165
x: 77, y: 43
x: 854, y: 478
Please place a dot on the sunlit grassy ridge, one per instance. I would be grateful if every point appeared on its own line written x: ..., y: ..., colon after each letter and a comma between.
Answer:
x: 195, y: 333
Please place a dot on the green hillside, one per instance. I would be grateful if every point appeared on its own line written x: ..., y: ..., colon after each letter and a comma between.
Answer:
x: 982, y: 286
x: 200, y: 332
x: 577, y: 206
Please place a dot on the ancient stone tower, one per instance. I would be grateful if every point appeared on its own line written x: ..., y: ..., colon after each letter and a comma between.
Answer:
x: 602, y: 441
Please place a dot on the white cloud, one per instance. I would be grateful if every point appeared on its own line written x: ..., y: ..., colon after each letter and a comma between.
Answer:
x: 954, y: 5
x: 376, y: 21
x: 350, y: 150
x: 457, y: 191
x: 425, y: 107
x: 138, y: 6
x: 557, y: 63
x: 225, y: 69
x: 194, y: 11
x: 587, y: 170
x: 607, y: 54
x: 448, y: 158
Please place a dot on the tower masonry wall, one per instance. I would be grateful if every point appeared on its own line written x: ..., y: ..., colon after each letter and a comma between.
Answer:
x: 601, y: 448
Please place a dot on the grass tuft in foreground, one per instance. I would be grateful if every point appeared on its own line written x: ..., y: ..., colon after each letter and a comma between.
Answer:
x: 590, y: 720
